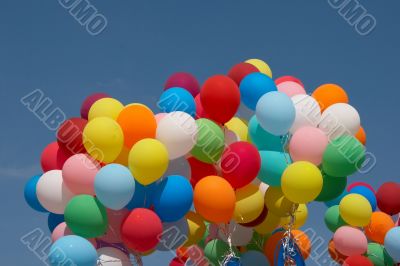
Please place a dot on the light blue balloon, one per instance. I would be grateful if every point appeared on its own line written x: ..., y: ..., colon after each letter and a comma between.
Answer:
x: 30, y: 194
x: 72, y: 250
x: 143, y: 196
x: 174, y: 235
x: 177, y: 99
x: 263, y: 139
x: 114, y: 186
x: 367, y: 193
x: 275, y: 112
x: 252, y: 258
x: 273, y: 164
x: 253, y: 86
x: 337, y: 200
x: 392, y: 243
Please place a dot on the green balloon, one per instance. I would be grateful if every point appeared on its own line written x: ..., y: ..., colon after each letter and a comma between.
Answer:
x: 343, y: 156
x: 86, y: 216
x: 273, y: 164
x: 263, y: 139
x: 257, y: 242
x: 333, y: 220
x: 216, y: 250
x: 332, y: 187
x: 210, y: 141
x: 378, y: 255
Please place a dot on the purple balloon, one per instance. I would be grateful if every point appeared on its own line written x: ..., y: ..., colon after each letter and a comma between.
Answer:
x: 183, y: 80
x: 89, y: 101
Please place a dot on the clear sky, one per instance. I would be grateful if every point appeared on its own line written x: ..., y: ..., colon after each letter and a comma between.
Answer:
x: 43, y: 47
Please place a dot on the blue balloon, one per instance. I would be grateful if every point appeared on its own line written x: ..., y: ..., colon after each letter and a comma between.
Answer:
x: 392, y: 243
x: 72, y: 250
x: 263, y: 139
x: 252, y: 257
x: 53, y: 220
x: 273, y: 164
x: 174, y: 235
x: 275, y: 112
x: 143, y: 196
x: 30, y: 194
x: 173, y: 198
x: 253, y: 86
x: 337, y: 200
x: 114, y: 186
x: 367, y: 193
x: 177, y: 99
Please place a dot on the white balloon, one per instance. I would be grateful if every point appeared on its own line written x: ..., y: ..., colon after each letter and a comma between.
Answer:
x: 339, y: 119
x: 109, y: 256
x: 52, y: 192
x: 240, y: 235
x: 179, y: 166
x: 308, y: 112
x: 178, y: 132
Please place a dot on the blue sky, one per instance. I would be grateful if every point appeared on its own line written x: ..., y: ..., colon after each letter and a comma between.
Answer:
x: 43, y: 47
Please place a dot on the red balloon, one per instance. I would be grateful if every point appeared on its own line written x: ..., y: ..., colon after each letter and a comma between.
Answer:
x: 240, y: 163
x: 183, y: 80
x: 388, y: 198
x: 53, y: 158
x: 177, y: 262
x: 239, y: 71
x: 357, y: 260
x: 69, y: 135
x: 199, y: 170
x: 89, y: 101
x: 200, y: 113
x: 356, y: 184
x: 220, y: 98
x: 288, y: 78
x: 141, y: 230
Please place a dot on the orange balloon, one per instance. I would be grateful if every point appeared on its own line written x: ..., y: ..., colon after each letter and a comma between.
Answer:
x: 182, y: 253
x: 303, y: 242
x: 336, y: 255
x: 214, y: 199
x: 137, y: 122
x: 361, y: 136
x: 328, y: 94
x: 379, y: 225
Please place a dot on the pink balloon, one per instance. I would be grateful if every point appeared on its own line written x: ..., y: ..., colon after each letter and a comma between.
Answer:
x: 159, y: 116
x: 79, y: 172
x: 350, y: 241
x: 115, y: 219
x: 63, y: 230
x: 308, y: 144
x: 288, y: 78
x: 356, y: 184
x: 291, y: 88
x: 183, y: 80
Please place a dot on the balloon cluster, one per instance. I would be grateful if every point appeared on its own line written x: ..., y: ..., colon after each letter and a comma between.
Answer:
x: 211, y: 186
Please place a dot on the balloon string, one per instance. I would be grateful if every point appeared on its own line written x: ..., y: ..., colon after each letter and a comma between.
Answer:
x: 288, y: 241
x: 285, y: 139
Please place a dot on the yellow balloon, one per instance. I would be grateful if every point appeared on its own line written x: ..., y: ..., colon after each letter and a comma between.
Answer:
x: 197, y: 228
x: 249, y: 204
x: 301, y: 215
x: 261, y: 66
x: 301, y: 182
x: 355, y: 210
x: 148, y: 161
x: 103, y: 139
x: 270, y: 223
x: 277, y: 203
x: 107, y: 107
x: 123, y: 156
x: 239, y: 126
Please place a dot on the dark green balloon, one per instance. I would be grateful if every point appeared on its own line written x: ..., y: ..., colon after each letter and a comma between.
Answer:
x: 332, y: 187
x: 86, y: 216
x: 257, y: 242
x: 333, y: 220
x: 343, y: 156
x: 210, y: 141
x: 378, y: 255
x: 216, y: 250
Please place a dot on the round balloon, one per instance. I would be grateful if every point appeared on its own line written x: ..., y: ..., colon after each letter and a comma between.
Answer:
x: 350, y: 241
x: 239, y: 127
x: 361, y: 135
x: 72, y: 249
x: 277, y: 203
x: 177, y: 99
x: 355, y: 210
x: 367, y: 193
x: 249, y: 204
x: 300, y: 215
x: 69, y: 135
x: 308, y: 112
x: 110, y: 256
x: 291, y: 88
x: 53, y: 158
x: 31, y: 196
x: 199, y: 169
x: 356, y: 184
x: 329, y: 94
x: 253, y: 86
x: 143, y: 196
x: 273, y: 164
x: 263, y: 139
x: 115, y: 219
x: 105, y: 107
x: 197, y: 228
x: 335, y: 255
x: 288, y: 78
x: 262, y: 66
x: 333, y: 220
x: 379, y: 225
x: 378, y: 255
x: 392, y: 243
x: 332, y: 187
x: 89, y: 101
x: 387, y: 197
x: 215, y: 251
x: 357, y: 260
x: 183, y: 80
x: 240, y: 71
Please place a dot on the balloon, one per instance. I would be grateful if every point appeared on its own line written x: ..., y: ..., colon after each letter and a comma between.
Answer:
x: 214, y: 199
x: 30, y: 194
x: 308, y: 112
x: 277, y: 203
x: 173, y: 198
x: 200, y: 113
x: 143, y: 196
x: 179, y: 166
x: 355, y: 210
x: 240, y: 163
x: 86, y: 216
x: 329, y: 94
x: 53, y: 220
x: 53, y: 158
x: 263, y: 139
x: 340, y: 119
x: 239, y: 235
x: 361, y: 135
x: 79, y: 172
x: 110, y: 256
x: 178, y: 132
x: 115, y: 219
x: 301, y: 182
x: 197, y: 228
x: 275, y: 112
x: 262, y: 66
x: 378, y: 255
x: 89, y: 101
x: 123, y: 156
x: 252, y: 257
x: 308, y: 144
x: 357, y: 260
x: 336, y: 201
x: 356, y: 184
x: 114, y: 186
x: 350, y: 241
x: 238, y: 126
x: 271, y: 245
x: 291, y: 88
x: 333, y: 220
x: 183, y: 80
x: 253, y: 86
x: 343, y: 156
x: 141, y: 230
x: 392, y: 243
x: 379, y: 225
x: 210, y: 141
x: 199, y: 169
x: 303, y: 242
x: 332, y: 187
x: 72, y: 249
x: 218, y: 93
x: 249, y: 204
x: 105, y: 107
x: 69, y: 135
x: 388, y: 198
x: 177, y: 99
x: 259, y: 220
x: 137, y: 122
x: 367, y: 193
x: 52, y: 192
x: 288, y: 78
x: 174, y: 235
x: 240, y: 71
x: 215, y: 251
x: 62, y: 230
x: 335, y: 255
x: 103, y: 139
x: 159, y: 117
x: 148, y: 160
x: 301, y: 215
x: 177, y: 262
